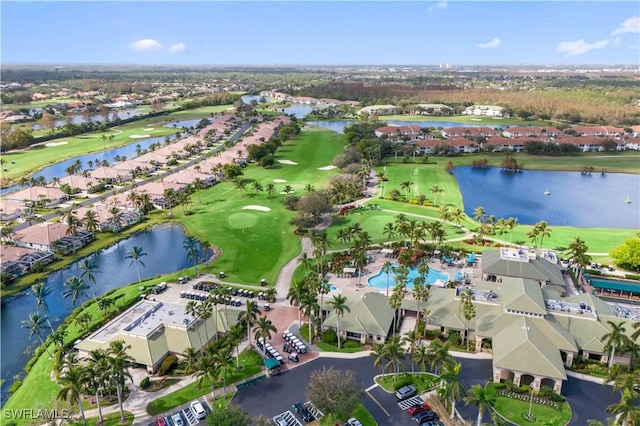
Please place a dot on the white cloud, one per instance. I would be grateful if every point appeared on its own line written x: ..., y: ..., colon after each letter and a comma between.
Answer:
x: 177, y: 48
x: 616, y: 41
x: 439, y: 5
x: 145, y: 44
x: 493, y: 43
x: 631, y: 25
x: 578, y: 47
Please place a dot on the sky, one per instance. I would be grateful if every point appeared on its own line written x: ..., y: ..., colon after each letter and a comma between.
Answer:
x: 320, y: 33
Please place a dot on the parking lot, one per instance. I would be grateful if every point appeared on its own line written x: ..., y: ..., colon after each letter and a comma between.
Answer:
x: 182, y: 416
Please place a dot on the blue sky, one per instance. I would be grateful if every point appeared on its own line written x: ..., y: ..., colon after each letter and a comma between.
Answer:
x: 321, y: 33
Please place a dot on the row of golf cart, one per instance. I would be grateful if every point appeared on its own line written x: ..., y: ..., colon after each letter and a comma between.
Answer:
x: 293, y: 343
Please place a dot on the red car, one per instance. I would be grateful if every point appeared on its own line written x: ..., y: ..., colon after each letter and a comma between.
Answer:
x: 160, y: 422
x: 418, y: 408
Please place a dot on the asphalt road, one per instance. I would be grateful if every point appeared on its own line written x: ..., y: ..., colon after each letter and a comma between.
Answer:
x: 277, y: 394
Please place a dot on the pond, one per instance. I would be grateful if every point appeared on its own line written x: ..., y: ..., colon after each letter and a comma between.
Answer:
x: 574, y: 199
x: 58, y: 170
x: 123, y: 114
x: 178, y: 125
x: 115, y: 271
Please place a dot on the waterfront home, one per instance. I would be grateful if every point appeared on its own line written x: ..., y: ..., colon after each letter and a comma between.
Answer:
x: 484, y: 111
x: 380, y: 110
x: 502, y: 144
x: 598, y: 131
x: 455, y: 145
x: 51, y: 237
x: 135, y: 167
x: 105, y: 216
x: 468, y: 132
x: 156, y: 191
x: 430, y: 109
x: 188, y: 177
x: 110, y: 175
x: 153, y: 330
x: 532, y: 132
x: 34, y: 195
x: 17, y: 261
x: 401, y: 133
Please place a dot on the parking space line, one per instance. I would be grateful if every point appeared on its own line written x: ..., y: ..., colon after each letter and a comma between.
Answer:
x: 373, y: 386
x: 378, y: 403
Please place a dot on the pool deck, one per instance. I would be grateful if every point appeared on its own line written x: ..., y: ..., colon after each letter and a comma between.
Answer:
x: 356, y: 283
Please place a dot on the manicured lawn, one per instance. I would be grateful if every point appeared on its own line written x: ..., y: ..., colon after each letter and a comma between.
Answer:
x: 251, y: 363
x: 256, y: 244
x: 512, y: 410
x: 392, y: 382
x: 325, y: 347
x: 112, y: 419
x: 485, y: 121
x: 359, y: 413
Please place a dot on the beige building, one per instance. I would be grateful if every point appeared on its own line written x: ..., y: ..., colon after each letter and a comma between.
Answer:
x: 157, y: 329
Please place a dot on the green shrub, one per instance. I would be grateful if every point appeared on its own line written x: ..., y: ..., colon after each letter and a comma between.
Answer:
x: 351, y: 344
x: 14, y: 387
x: 632, y: 276
x: 169, y: 363
x: 594, y: 272
x: 330, y: 337
x: 144, y: 383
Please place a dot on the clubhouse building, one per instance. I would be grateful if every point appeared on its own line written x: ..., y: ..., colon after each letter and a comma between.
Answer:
x: 523, y: 316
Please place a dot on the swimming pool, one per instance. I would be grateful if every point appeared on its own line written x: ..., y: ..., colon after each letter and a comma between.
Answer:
x: 379, y: 281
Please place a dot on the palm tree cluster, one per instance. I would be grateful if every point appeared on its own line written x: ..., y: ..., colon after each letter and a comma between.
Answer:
x: 539, y: 231
x: 304, y: 294
x: 624, y: 380
x: 101, y: 374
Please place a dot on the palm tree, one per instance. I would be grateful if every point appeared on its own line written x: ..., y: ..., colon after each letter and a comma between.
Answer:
x: 439, y: 354
x: 190, y: 244
x: 511, y: 223
x: 543, y: 230
x: 479, y: 214
x: 271, y: 189
x: 481, y: 397
x: 248, y: 317
x: 616, y: 337
x: 96, y: 371
x: 454, y: 389
x: 577, y: 252
x: 40, y: 292
x: 72, y: 382
x: 76, y: 288
x: 89, y: 267
x: 234, y: 337
x: 135, y: 254
x: 90, y: 221
x: 223, y: 362
x: 309, y: 305
x: 263, y: 329
x: 627, y: 411
x: 119, y: 363
x: 412, y: 339
x: 205, y: 309
x: 406, y: 185
x: 241, y: 185
x: 435, y: 190
x: 190, y: 359
x: 387, y: 268
x: 421, y: 357
x: 394, y: 353
x: 295, y: 295
x: 377, y: 350
x: 339, y: 305
x: 36, y: 324
x: 192, y: 308
x: 457, y: 215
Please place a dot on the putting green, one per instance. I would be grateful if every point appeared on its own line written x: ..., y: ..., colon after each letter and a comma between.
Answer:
x: 242, y: 220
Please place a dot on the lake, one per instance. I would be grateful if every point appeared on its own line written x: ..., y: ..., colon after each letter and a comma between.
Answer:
x: 116, y: 272
x: 585, y: 201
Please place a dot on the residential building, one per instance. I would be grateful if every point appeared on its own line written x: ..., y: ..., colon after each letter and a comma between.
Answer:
x: 484, y: 111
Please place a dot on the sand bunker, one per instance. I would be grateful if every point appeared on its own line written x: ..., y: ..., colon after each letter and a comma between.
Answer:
x: 139, y: 136
x: 279, y: 180
x: 261, y: 208
x: 476, y: 119
x: 293, y: 163
x: 327, y: 168
x: 52, y: 144
x: 148, y: 129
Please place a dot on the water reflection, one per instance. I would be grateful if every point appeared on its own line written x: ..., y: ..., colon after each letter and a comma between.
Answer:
x: 165, y: 254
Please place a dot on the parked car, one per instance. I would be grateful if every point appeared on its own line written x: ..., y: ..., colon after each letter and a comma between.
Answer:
x: 160, y: 422
x: 406, y: 392
x: 418, y: 408
x: 198, y: 410
x: 426, y: 416
x: 353, y: 422
x: 177, y: 419
x: 303, y: 412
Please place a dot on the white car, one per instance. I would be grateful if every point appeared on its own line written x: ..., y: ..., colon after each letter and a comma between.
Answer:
x: 177, y: 419
x: 198, y: 410
x: 354, y: 422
